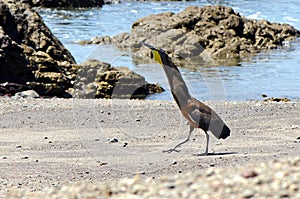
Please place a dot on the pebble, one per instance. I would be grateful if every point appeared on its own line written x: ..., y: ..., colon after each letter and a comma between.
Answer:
x: 276, y: 179
x: 27, y: 94
x: 102, y: 163
x: 248, y: 193
x: 112, y: 140
x: 249, y: 174
x: 174, y: 162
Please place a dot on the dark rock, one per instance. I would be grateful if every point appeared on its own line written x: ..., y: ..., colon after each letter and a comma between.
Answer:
x: 277, y: 99
x: 10, y: 89
x: 66, y: 3
x: 97, y: 79
x: 30, y: 55
x: 218, y: 30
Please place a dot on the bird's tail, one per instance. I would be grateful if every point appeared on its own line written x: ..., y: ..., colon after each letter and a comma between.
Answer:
x: 225, y: 132
x: 218, y: 127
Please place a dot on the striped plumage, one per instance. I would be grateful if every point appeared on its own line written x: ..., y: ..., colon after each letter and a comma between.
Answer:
x: 197, y: 113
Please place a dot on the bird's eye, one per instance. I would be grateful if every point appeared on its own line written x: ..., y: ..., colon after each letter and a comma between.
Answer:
x: 151, y: 55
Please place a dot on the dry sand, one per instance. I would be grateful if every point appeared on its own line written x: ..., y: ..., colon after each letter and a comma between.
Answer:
x: 46, y: 143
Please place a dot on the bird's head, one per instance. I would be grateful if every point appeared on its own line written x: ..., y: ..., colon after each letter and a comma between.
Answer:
x: 158, y: 55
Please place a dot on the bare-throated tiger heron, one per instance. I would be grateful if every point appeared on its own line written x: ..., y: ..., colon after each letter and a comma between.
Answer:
x: 197, y: 113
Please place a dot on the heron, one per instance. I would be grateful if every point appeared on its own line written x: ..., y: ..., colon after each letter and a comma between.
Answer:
x: 197, y: 113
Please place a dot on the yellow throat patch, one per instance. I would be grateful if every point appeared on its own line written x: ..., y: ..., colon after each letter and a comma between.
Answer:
x: 156, y: 56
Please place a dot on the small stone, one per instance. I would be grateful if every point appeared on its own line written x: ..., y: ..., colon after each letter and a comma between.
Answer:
x: 112, y: 140
x: 25, y: 157
x: 125, y: 144
x: 248, y: 193
x: 102, y: 163
x: 210, y: 172
x: 28, y: 94
x: 174, y: 162
x: 249, y: 174
x: 293, y: 127
x: 19, y: 146
x: 45, y: 138
x: 97, y: 139
x: 264, y: 95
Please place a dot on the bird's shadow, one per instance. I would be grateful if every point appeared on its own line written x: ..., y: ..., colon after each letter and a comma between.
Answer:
x: 215, y: 154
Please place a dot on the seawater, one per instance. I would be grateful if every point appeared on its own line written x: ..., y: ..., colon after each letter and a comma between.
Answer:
x: 274, y: 73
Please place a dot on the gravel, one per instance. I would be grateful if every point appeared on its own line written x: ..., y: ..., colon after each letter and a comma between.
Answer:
x: 273, y: 179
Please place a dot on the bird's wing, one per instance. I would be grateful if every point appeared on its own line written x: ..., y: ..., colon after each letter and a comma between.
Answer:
x: 199, y: 113
x: 205, y: 118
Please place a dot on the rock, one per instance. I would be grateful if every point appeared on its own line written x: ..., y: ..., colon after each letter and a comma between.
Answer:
x: 30, y: 55
x: 218, y: 30
x: 277, y: 99
x: 10, y: 89
x: 27, y: 94
x: 96, y: 40
x: 112, y: 140
x: 112, y: 1
x: 248, y: 193
x: 249, y: 174
x: 67, y: 3
x: 97, y: 79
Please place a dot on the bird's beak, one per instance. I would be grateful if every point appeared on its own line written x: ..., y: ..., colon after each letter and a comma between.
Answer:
x: 154, y: 53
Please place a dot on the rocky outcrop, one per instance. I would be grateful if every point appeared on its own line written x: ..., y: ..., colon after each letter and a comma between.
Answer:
x: 101, y: 80
x: 30, y: 55
x: 67, y: 3
x: 221, y: 31
x: 32, y: 58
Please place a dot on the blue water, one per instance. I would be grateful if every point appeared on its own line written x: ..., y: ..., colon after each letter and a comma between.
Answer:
x: 275, y: 73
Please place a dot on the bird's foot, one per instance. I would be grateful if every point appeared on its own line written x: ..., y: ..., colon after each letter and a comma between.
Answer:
x: 170, y: 150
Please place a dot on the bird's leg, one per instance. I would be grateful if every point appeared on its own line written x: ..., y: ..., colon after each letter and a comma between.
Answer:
x: 206, y: 148
x: 207, y: 142
x: 186, y: 140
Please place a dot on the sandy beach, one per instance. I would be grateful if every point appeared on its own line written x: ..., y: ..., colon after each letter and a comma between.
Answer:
x: 48, y: 143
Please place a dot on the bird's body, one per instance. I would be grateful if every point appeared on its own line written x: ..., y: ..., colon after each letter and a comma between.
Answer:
x: 197, y: 113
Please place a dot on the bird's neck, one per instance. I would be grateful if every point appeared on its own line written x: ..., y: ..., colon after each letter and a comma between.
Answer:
x: 178, y: 87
